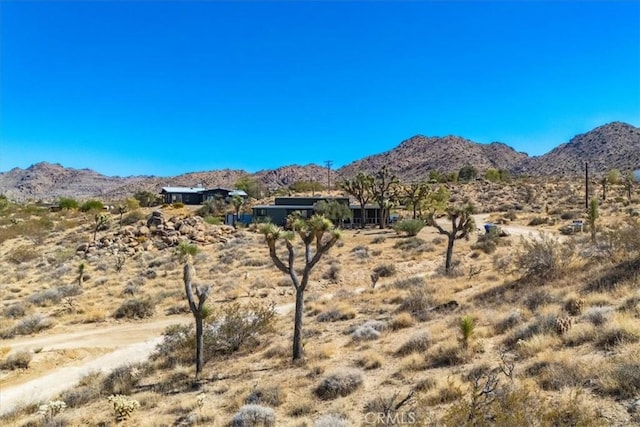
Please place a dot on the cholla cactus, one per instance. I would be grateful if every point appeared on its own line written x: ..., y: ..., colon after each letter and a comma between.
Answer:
x: 563, y: 324
x: 123, y: 406
x: 52, y: 408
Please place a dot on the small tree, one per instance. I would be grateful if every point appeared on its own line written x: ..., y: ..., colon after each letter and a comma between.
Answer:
x: 492, y: 175
x: 360, y: 187
x: 334, y: 210
x: 237, y: 202
x: 197, y: 308
x: 461, y: 222
x: 629, y: 180
x: 68, y: 203
x: 316, y: 229
x: 592, y: 217
x: 384, y: 181
x: 146, y: 198
x: 101, y: 222
x: 467, y: 173
x: 413, y: 196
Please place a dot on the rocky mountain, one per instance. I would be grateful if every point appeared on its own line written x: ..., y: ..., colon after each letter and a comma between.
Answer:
x: 614, y: 145
x: 415, y: 157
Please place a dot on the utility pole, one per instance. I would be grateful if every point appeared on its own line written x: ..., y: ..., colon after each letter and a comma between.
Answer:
x: 328, y: 163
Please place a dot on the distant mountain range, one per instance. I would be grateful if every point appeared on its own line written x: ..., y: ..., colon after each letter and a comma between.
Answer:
x: 614, y: 145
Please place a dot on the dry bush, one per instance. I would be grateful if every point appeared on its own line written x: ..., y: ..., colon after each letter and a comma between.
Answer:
x: 337, y: 313
x: 87, y: 390
x: 135, y: 309
x: 543, y: 259
x: 598, y: 316
x: 616, y: 336
x: 27, y: 326
x: 621, y: 378
x: 612, y: 279
x: 122, y: 380
x: 331, y: 420
x: 341, y: 383
x: 18, y: 360
x: 537, y: 298
x: 415, y: 244
x: 487, y: 243
x: 408, y: 283
x: 254, y: 416
x: 385, y: 270
x: 268, y: 395
x: 541, y: 324
x: 332, y: 273
x: 369, y: 360
x: 417, y: 302
x: 418, y: 343
x: 401, y: 321
x: 508, y: 322
x: 14, y: 311
x: 369, y: 330
x: 23, y: 254
x: 447, y: 354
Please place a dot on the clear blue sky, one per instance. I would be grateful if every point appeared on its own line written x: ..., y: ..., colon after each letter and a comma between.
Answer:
x: 159, y: 87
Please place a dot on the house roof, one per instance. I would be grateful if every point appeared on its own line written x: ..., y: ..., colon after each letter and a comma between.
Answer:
x: 238, y: 193
x: 194, y: 190
x: 307, y: 207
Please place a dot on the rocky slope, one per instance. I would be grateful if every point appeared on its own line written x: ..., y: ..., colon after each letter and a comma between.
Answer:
x: 614, y: 145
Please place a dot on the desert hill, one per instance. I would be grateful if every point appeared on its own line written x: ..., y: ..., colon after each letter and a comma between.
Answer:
x: 614, y: 145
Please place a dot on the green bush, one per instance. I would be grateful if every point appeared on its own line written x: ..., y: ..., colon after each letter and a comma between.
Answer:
x: 178, y: 205
x: 410, y: 227
x: 91, y: 205
x: 68, y: 203
x: 133, y: 217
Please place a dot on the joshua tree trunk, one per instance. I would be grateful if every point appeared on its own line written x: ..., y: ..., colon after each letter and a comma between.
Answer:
x: 199, y: 344
x: 198, y: 313
x: 451, y: 240
x: 297, y: 326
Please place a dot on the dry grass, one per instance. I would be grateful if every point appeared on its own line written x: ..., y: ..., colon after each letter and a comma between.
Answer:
x: 597, y: 356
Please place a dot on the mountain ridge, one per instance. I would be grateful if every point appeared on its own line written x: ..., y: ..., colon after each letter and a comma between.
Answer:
x: 613, y: 145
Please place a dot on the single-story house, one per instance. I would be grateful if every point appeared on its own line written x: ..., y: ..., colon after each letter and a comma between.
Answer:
x: 197, y: 195
x: 285, y: 206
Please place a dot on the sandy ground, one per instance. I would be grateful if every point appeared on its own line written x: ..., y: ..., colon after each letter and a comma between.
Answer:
x: 124, y: 344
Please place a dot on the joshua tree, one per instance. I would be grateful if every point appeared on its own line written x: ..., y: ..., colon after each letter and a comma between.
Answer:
x: 101, y: 222
x: 414, y: 194
x: 460, y: 217
x: 81, y: 270
x: 592, y: 217
x: 197, y: 309
x: 237, y: 203
x: 383, y: 183
x: 318, y: 230
x: 360, y: 187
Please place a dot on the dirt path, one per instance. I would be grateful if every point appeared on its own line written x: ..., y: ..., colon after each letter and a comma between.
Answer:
x: 124, y: 343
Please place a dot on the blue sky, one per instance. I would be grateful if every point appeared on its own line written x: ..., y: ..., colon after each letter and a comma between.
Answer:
x: 163, y: 88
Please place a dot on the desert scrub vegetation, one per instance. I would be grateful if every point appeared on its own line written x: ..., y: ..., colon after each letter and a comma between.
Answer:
x: 135, y: 309
x: 254, y: 416
x: 27, y: 326
x: 543, y: 258
x: 409, y: 227
x: 17, y: 360
x: 339, y: 384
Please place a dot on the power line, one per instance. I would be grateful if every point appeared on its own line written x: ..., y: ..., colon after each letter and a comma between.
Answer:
x: 328, y: 163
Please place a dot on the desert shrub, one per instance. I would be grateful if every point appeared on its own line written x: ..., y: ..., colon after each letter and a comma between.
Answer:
x: 46, y: 297
x: 369, y: 330
x: 544, y: 258
x: 568, y: 215
x: 341, y: 383
x: 121, y: 380
x: 378, y: 239
x: 401, y: 321
x: 541, y: 324
x: 301, y: 408
x: 413, y: 243
x: 409, y: 282
x: 213, y: 220
x: 135, y: 309
x: 271, y: 396
x: 29, y: 325
x: 616, y: 276
x: 598, y: 316
x: 332, y: 273
x: 254, y: 416
x: 418, y: 343
x: 14, y: 311
x: 385, y: 270
x: 417, y: 302
x: 361, y: 252
x: 87, y: 390
x: 133, y: 217
x: 369, y: 360
x: 538, y: 220
x: 177, y: 205
x: 254, y: 262
x: 236, y: 326
x: 622, y: 380
x: 410, y: 227
x: 18, y: 360
x: 91, y: 205
x: 487, y: 243
x: 337, y: 313
x: 614, y: 337
x: 509, y: 321
x: 331, y: 420
x: 537, y: 298
x: 624, y: 239
x: 22, y: 254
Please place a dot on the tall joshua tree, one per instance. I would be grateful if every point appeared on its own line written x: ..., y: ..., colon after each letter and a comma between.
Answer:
x: 460, y: 218
x: 384, y: 182
x: 361, y: 188
x: 317, y: 232
x: 197, y: 308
